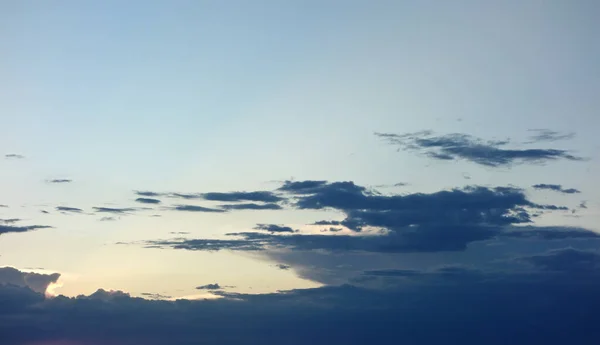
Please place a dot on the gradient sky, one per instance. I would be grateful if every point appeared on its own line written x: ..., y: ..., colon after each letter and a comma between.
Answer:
x: 223, y: 96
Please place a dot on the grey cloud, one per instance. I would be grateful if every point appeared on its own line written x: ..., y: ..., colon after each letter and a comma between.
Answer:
x: 10, y: 220
x: 260, y: 196
x: 274, y: 228
x: 60, y: 181
x: 34, y: 281
x: 456, y: 146
x: 147, y: 201
x: 556, y: 188
x: 154, y: 296
x: 194, y: 208
x: 148, y: 193
x: 13, y: 156
x: 107, y: 219
x: 283, y: 267
x: 114, y: 210
x: 8, y: 228
x: 549, y: 135
x: 567, y: 260
x: 215, y: 286
x: 251, y: 206
x: 69, y: 209
x: 583, y: 204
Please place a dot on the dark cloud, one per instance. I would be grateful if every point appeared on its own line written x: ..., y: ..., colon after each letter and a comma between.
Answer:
x: 209, y: 287
x: 549, y: 135
x: 114, y: 210
x: 44, y: 211
x: 556, y: 188
x: 451, y: 305
x: 194, y: 208
x: 568, y: 260
x: 3, y: 206
x: 60, y: 181
x: 9, y: 228
x: 147, y: 201
x: 283, y: 267
x: 148, y: 194
x: 583, y: 204
x: 442, y: 221
x: 489, y: 153
x: 69, y: 209
x: 10, y: 220
x: 260, y: 196
x: 427, y: 239
x: 274, y: 228
x: 34, y: 281
x: 13, y: 156
x: 251, y: 206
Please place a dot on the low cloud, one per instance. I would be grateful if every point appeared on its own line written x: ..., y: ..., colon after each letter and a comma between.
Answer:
x: 556, y: 188
x: 283, y: 267
x: 34, y: 281
x: 154, y: 296
x: 148, y: 193
x: 490, y: 153
x: 10, y: 220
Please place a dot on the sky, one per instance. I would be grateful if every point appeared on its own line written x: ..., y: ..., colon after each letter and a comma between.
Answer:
x: 267, y: 168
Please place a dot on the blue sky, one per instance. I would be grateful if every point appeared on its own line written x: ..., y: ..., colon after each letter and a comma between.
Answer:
x: 196, y: 97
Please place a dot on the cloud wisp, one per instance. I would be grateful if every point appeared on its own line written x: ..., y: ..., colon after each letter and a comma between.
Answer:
x: 546, y: 135
x: 4, y: 229
x: 489, y: 153
x: 556, y: 188
x: 14, y: 156
x: 59, y: 181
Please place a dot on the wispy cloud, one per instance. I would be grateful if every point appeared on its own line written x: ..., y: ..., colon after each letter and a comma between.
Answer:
x: 60, y: 181
x: 549, y: 135
x: 13, y: 156
x: 490, y: 153
x: 274, y: 228
x: 9, y: 228
x: 115, y: 210
x: 556, y: 188
x: 251, y: 206
x: 194, y: 208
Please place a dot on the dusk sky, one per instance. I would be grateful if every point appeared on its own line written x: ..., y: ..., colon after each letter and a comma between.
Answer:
x: 385, y: 172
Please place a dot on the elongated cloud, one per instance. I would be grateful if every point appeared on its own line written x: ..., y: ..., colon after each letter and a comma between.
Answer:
x: 4, y: 229
x: 457, y: 146
x: 556, y: 188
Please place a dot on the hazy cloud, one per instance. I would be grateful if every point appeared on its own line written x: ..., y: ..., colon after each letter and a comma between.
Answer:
x: 13, y: 156
x: 10, y: 220
x: 456, y: 146
x: 549, y: 135
x: 148, y: 193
